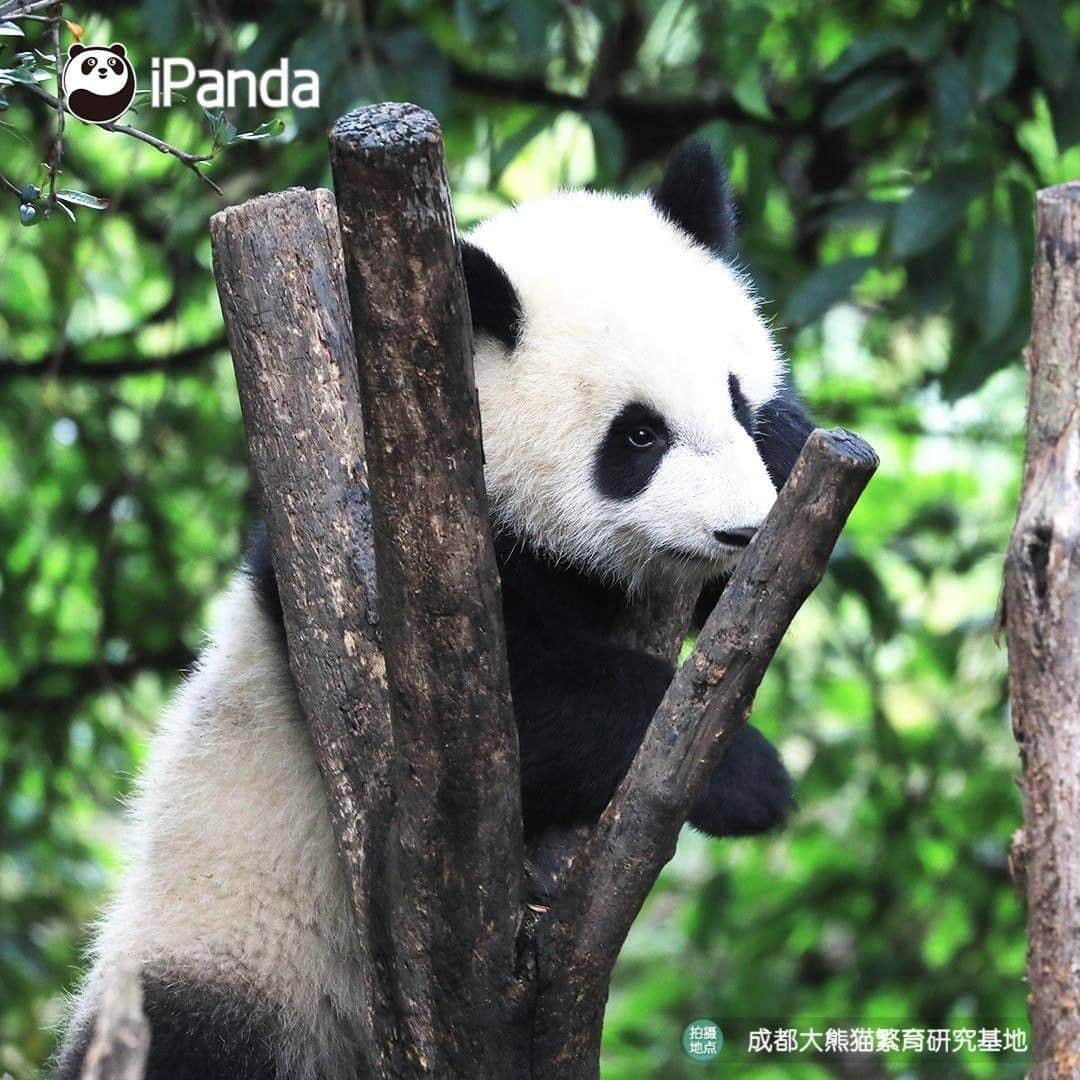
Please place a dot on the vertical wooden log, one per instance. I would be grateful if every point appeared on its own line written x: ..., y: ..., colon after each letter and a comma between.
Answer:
x: 1042, y: 605
x: 278, y: 265
x: 458, y: 799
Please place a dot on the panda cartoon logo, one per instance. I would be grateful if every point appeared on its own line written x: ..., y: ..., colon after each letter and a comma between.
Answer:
x: 99, y: 82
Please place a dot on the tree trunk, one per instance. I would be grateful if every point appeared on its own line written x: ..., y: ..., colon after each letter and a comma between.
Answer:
x: 457, y: 820
x: 1042, y: 606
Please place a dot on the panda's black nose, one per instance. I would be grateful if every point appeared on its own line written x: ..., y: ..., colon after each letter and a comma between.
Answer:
x: 735, y: 537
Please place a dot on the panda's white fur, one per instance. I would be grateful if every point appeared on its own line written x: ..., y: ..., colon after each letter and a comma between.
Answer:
x: 233, y: 871
x: 590, y: 325
x: 233, y: 874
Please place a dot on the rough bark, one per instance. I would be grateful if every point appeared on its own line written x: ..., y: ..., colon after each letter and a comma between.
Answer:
x: 458, y: 815
x: 277, y: 260
x: 1042, y: 605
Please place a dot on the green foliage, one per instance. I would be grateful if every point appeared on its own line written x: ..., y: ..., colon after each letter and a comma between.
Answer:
x: 885, y: 159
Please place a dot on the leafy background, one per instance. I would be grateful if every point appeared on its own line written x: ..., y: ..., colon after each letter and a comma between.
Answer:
x: 886, y: 158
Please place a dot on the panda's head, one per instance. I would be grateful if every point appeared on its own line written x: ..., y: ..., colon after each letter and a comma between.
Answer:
x: 99, y: 82
x: 621, y: 362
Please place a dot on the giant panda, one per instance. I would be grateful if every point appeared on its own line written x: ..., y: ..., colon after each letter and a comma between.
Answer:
x: 637, y: 421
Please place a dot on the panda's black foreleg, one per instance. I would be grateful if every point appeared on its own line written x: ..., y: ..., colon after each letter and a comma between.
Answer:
x: 749, y: 792
x: 583, y: 708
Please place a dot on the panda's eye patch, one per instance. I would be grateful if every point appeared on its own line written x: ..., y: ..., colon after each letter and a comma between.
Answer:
x: 114, y: 63
x: 631, y: 451
x: 89, y: 64
x: 744, y: 412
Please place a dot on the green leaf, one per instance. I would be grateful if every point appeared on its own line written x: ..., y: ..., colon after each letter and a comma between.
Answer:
x: 991, y: 52
x: 217, y: 121
x: 267, y: 130
x: 508, y: 149
x: 929, y: 279
x: 859, y: 97
x: 996, y: 278
x: 81, y: 198
x: 749, y: 92
x: 608, y: 144
x: 824, y: 288
x: 67, y: 209
x: 951, y: 96
x: 934, y: 209
x: 926, y: 35
x: 1045, y: 29
x: 26, y: 72
x: 863, y: 52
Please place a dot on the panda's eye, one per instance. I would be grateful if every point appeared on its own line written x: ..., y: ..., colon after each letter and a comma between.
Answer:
x: 114, y: 64
x: 641, y: 438
x: 89, y: 64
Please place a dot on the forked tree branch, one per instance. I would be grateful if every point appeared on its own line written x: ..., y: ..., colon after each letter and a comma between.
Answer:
x: 707, y: 702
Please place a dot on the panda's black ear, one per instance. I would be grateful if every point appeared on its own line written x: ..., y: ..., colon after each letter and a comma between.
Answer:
x: 117, y: 48
x: 496, y: 309
x: 696, y: 196
x: 75, y: 48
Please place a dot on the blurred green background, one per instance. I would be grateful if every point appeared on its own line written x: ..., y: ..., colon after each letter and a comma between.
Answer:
x: 885, y: 157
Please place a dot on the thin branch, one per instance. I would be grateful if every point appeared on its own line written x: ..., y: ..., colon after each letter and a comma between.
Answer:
x: 19, y: 9
x: 191, y: 161
x: 71, y: 364
x: 57, y: 153
x: 687, y: 113
x: 76, y: 680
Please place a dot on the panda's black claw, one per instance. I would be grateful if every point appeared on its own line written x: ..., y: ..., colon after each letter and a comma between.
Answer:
x: 749, y: 793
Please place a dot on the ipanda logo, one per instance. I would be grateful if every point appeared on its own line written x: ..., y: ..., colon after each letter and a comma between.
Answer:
x: 99, y: 84
x: 274, y: 88
x: 98, y: 81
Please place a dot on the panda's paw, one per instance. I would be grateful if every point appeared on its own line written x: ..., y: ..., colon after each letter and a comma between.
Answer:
x: 750, y: 791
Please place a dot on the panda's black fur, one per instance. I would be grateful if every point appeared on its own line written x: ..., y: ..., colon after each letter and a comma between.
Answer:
x: 582, y: 700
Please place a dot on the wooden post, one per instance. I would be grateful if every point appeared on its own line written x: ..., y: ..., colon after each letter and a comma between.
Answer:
x: 1042, y: 606
x: 458, y: 815
x: 277, y: 260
